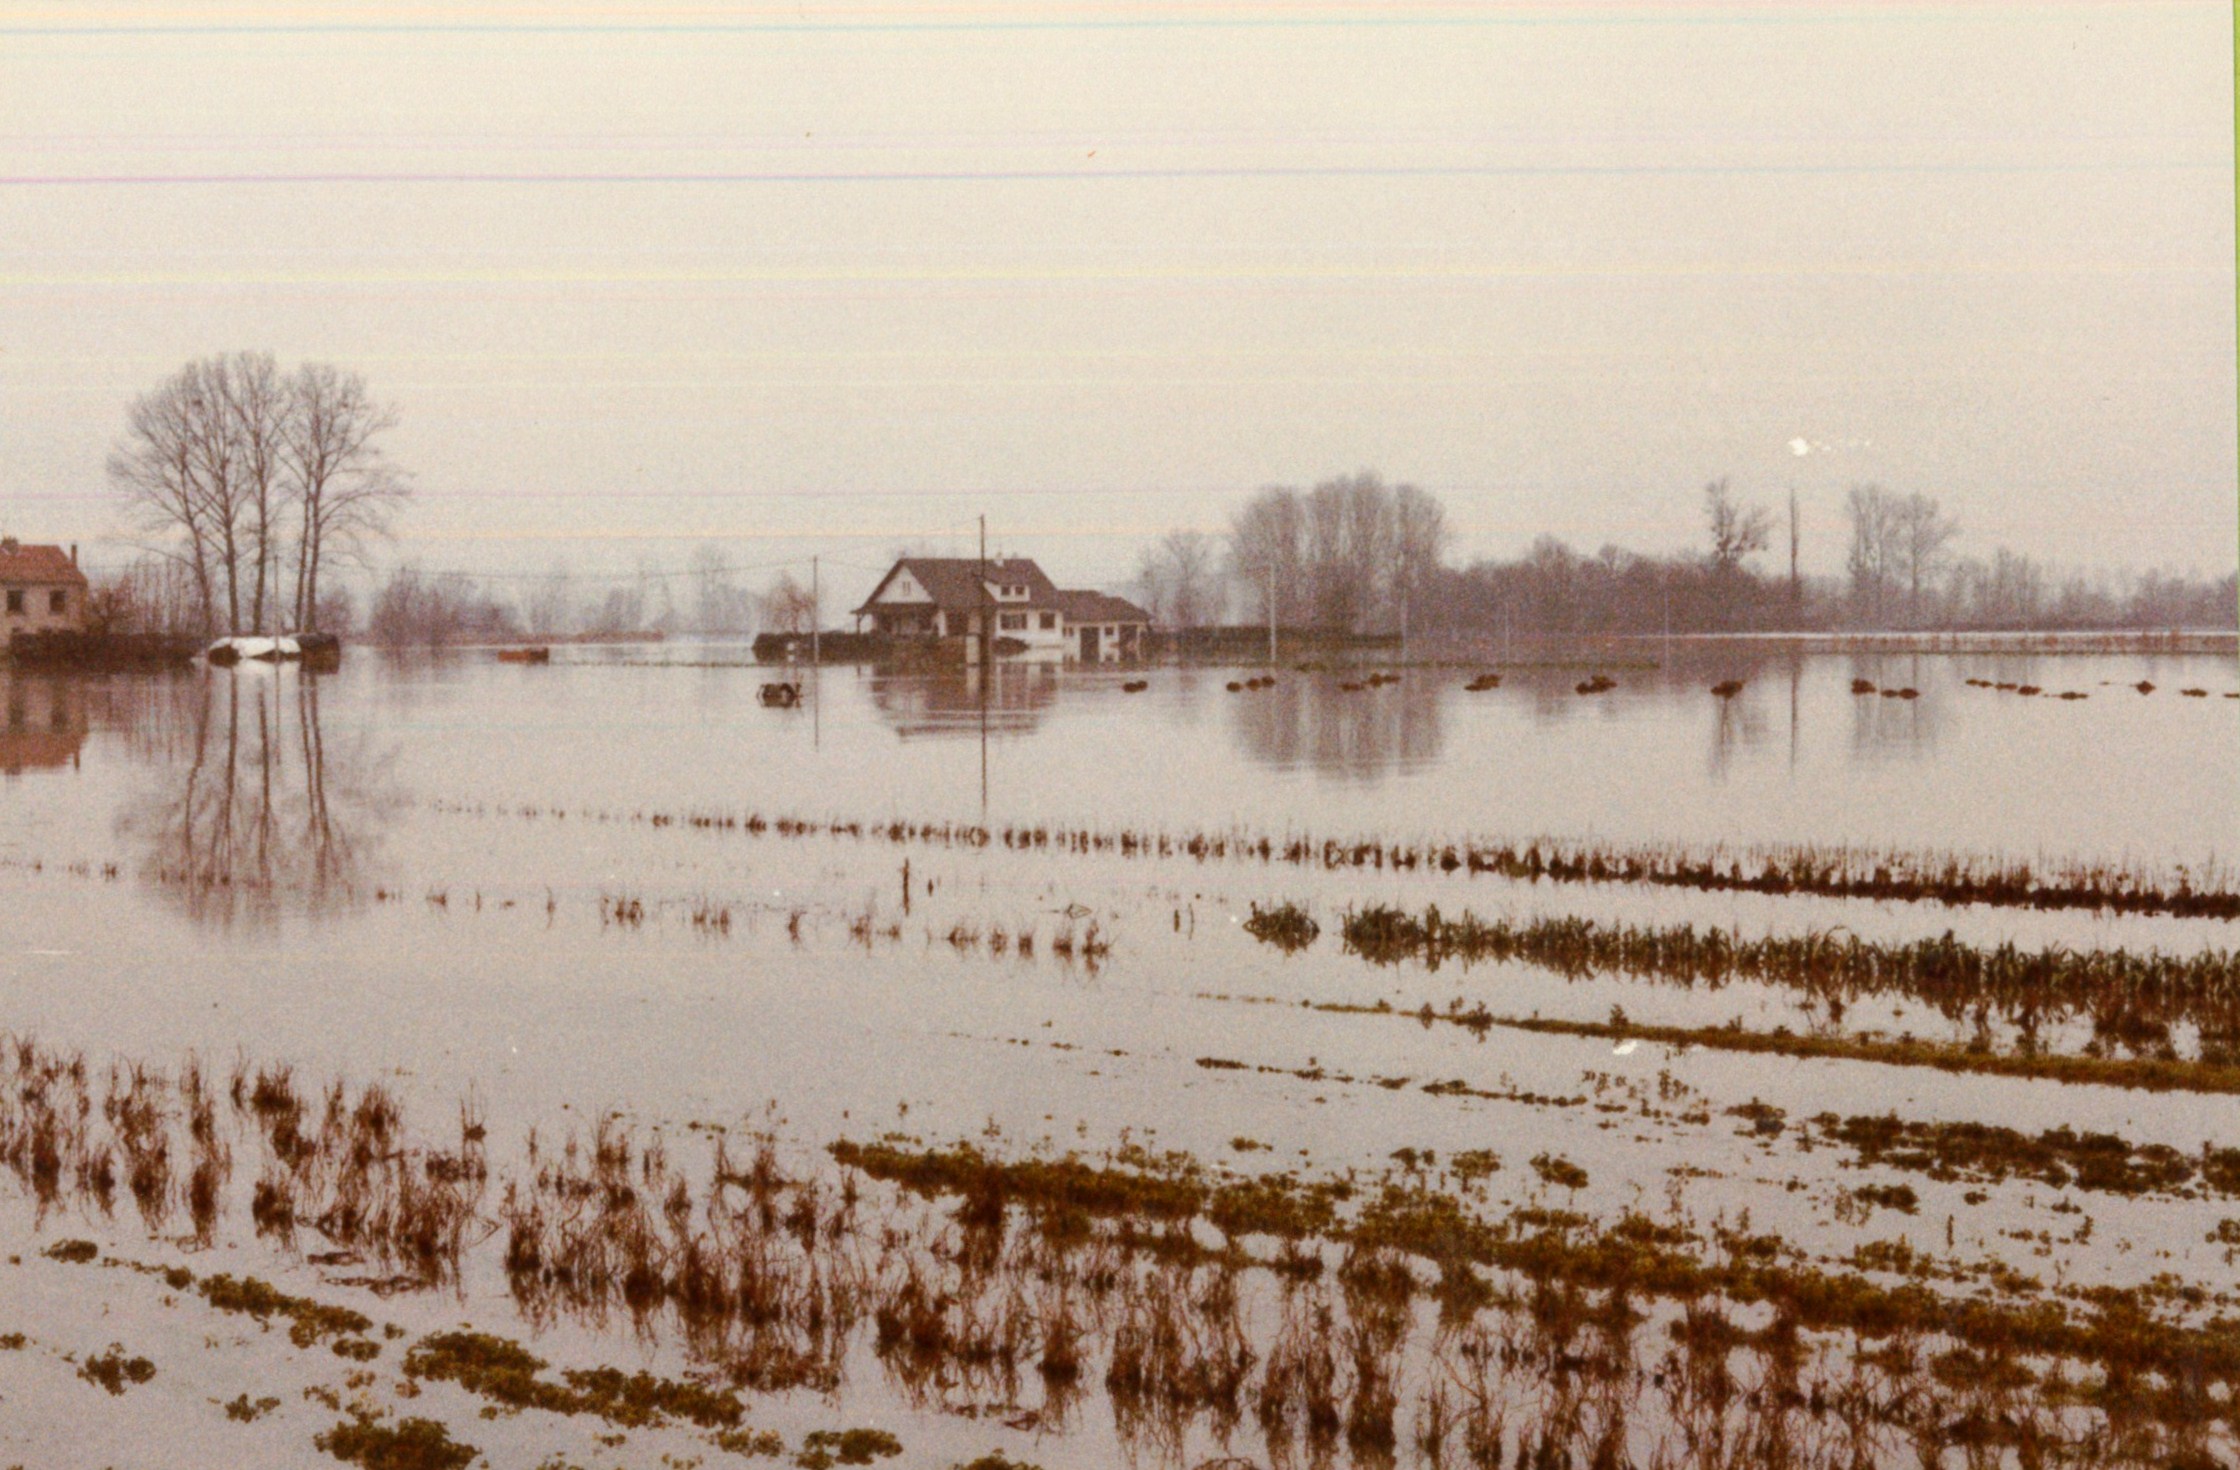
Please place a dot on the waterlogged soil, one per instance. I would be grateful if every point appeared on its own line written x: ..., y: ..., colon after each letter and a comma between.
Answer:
x: 535, y: 908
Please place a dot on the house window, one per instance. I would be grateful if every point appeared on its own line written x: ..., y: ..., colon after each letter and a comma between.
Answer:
x: 15, y: 601
x: 1014, y: 622
x: 1049, y: 621
x: 57, y: 601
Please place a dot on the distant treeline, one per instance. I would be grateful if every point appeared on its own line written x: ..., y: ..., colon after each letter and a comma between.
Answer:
x: 1355, y: 556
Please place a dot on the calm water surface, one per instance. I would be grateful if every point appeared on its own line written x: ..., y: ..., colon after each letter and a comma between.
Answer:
x: 418, y: 870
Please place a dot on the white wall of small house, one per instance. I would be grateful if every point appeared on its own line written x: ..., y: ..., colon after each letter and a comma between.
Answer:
x: 904, y: 588
x: 28, y: 607
x: 1039, y: 640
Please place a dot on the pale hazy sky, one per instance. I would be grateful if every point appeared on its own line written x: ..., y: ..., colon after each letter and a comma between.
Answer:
x: 837, y: 277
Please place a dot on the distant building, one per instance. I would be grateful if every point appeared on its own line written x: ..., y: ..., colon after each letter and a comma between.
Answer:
x: 955, y: 603
x: 41, y: 589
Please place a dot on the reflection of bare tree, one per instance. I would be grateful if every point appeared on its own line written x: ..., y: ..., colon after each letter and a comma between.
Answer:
x: 1884, y: 726
x: 1355, y: 735
x: 253, y: 815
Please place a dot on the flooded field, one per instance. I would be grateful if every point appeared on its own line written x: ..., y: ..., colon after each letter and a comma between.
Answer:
x: 589, y: 1065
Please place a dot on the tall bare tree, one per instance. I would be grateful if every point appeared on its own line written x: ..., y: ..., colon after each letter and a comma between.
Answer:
x: 344, y: 488
x: 232, y: 469
x: 1873, y: 512
x: 157, y: 469
x: 1923, y: 531
x: 1267, y: 549
x: 1180, y: 578
x: 1737, y: 530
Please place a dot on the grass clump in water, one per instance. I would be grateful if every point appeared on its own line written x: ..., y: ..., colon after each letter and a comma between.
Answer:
x: 825, y: 1448
x: 308, y: 1321
x: 409, y: 1444
x: 1287, y: 926
x: 508, y: 1374
x: 114, y: 1371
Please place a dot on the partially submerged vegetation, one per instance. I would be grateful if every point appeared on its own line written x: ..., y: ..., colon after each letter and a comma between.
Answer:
x: 2153, y: 1074
x: 1406, y: 1307
x: 1796, y: 869
x: 2127, y: 992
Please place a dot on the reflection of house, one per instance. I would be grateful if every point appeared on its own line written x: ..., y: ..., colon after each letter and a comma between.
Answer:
x: 958, y: 603
x: 1008, y: 699
x: 42, y: 723
x: 41, y: 589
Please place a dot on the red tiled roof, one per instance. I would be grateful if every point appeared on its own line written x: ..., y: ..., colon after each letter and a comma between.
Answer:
x: 26, y: 563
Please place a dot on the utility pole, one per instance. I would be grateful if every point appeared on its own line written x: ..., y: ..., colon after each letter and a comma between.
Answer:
x: 816, y: 616
x: 986, y: 643
x: 1796, y: 588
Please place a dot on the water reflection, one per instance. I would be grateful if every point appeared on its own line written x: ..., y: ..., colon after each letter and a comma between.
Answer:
x: 45, y: 726
x: 254, y: 815
x: 1352, y: 734
x: 1886, y: 724
x: 1009, y: 699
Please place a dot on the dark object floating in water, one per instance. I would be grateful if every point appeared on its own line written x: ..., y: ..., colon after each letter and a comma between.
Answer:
x: 1352, y: 688
x: 537, y: 655
x: 1135, y: 686
x: 2072, y: 694
x: 1235, y: 687
x: 1599, y: 684
x: 2144, y: 686
x: 1908, y: 693
x: 1483, y: 682
x: 1727, y: 688
x: 1862, y: 686
x: 2195, y: 693
x: 781, y: 696
x: 2028, y: 689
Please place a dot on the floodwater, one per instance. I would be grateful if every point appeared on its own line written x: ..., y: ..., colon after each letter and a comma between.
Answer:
x: 571, y: 891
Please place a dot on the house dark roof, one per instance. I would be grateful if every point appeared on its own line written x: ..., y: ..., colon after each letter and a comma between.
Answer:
x: 20, y: 562
x: 955, y: 582
x: 1096, y: 607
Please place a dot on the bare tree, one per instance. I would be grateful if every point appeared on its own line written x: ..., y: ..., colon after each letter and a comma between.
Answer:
x: 552, y: 601
x: 1180, y: 579
x: 258, y: 417
x: 345, y: 490
x: 1267, y: 544
x: 1873, y: 514
x: 220, y: 458
x: 1736, y: 530
x: 1923, y: 531
x: 787, y: 606
x: 158, y: 470
x: 1419, y: 537
x: 718, y: 605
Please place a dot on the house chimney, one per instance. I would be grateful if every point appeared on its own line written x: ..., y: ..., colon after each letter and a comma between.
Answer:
x: 73, y: 553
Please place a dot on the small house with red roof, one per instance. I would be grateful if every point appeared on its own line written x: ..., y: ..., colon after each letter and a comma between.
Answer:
x: 41, y: 589
x: 962, y: 604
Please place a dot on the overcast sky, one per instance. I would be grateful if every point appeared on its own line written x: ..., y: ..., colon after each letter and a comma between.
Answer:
x: 842, y: 277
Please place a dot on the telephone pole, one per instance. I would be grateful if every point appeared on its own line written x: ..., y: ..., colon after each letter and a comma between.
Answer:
x: 1796, y: 588
x: 816, y: 616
